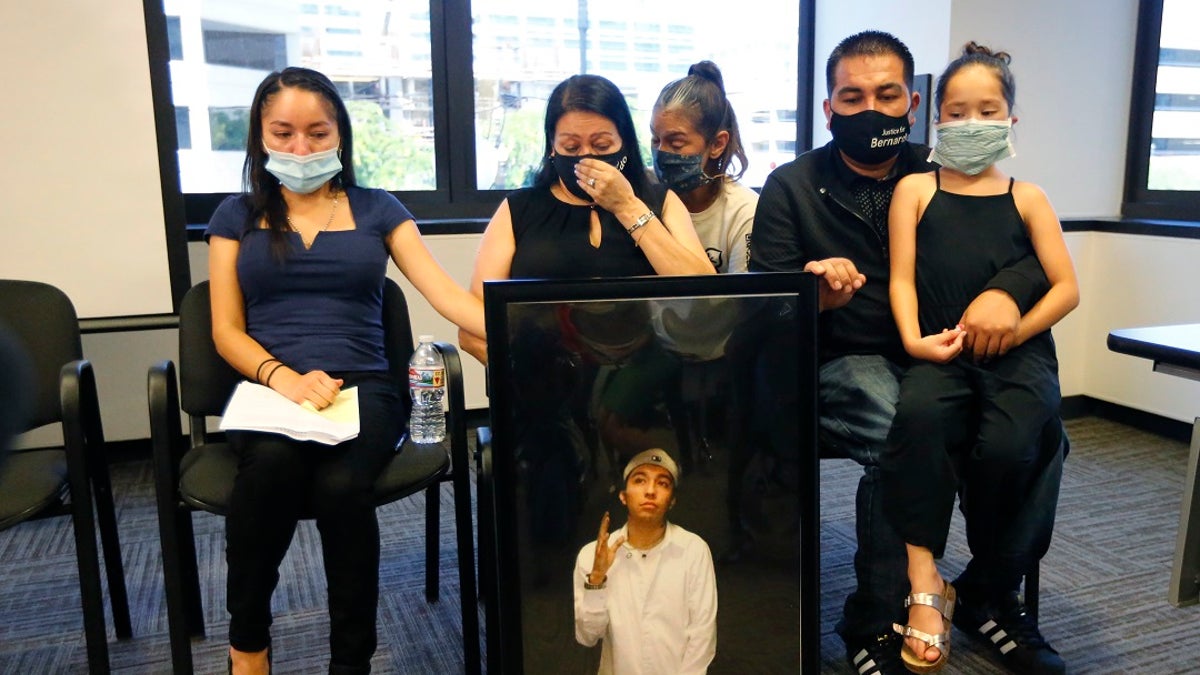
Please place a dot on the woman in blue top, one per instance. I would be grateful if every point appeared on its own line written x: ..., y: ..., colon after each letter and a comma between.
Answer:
x: 296, y: 269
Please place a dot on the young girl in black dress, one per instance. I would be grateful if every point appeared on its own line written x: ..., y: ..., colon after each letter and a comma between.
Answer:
x: 950, y: 231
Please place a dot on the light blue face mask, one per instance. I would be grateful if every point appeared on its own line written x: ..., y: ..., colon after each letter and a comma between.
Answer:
x: 303, y: 174
x: 970, y: 146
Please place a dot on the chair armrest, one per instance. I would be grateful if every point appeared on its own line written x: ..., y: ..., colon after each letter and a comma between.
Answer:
x: 166, y: 431
x: 83, y: 434
x: 456, y: 422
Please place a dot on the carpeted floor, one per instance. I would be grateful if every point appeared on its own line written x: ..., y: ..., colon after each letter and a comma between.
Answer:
x: 1104, y: 581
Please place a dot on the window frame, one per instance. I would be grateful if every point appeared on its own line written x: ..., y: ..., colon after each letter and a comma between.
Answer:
x: 456, y: 196
x: 1139, y: 200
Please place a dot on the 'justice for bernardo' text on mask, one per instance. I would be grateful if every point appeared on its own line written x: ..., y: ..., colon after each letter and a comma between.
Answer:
x: 869, y: 137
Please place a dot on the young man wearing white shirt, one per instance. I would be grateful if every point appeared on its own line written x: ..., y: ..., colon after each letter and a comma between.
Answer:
x: 651, y: 593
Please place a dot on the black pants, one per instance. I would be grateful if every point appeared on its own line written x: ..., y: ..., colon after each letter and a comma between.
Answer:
x: 279, y: 481
x: 1010, y: 404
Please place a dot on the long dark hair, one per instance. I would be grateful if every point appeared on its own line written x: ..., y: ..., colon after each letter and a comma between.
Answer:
x: 266, y: 200
x: 701, y: 97
x: 594, y: 94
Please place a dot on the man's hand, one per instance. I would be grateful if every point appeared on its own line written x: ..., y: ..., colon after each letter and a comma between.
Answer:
x: 604, y: 553
x: 841, y: 279
x: 991, y: 322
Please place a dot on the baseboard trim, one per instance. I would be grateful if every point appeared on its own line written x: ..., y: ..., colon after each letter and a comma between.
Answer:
x: 1084, y: 406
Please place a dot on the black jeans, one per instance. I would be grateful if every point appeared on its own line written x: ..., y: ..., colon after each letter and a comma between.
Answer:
x: 279, y: 481
x: 1011, y: 402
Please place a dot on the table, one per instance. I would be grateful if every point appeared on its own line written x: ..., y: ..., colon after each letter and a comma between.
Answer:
x: 1175, y: 350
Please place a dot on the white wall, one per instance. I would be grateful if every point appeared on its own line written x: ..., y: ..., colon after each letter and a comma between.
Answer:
x: 1129, y: 281
x: 1073, y: 64
x: 923, y: 25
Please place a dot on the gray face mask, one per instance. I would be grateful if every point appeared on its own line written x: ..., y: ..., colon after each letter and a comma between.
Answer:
x: 970, y: 146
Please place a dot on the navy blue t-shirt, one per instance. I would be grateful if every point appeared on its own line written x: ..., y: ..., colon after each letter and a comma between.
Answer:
x: 321, y: 308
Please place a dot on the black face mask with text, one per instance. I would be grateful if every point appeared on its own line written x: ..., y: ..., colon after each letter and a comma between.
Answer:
x: 869, y: 137
x: 564, y: 166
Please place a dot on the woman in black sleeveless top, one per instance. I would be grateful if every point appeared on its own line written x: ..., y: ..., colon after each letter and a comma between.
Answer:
x: 591, y: 211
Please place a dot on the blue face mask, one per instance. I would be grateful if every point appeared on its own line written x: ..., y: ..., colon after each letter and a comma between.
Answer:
x: 303, y: 174
x: 970, y: 146
x: 681, y: 173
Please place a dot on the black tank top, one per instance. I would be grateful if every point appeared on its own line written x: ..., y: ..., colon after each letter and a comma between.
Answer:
x: 962, y: 242
x: 552, y: 239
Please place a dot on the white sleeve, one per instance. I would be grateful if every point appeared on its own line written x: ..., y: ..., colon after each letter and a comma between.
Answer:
x: 702, y: 611
x: 591, y: 606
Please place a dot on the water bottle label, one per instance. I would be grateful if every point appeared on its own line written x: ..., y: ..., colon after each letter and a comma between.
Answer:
x: 426, y: 377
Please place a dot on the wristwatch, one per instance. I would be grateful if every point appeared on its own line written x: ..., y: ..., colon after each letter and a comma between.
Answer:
x: 594, y: 587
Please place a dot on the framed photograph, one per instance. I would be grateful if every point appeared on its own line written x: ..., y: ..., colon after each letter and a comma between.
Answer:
x: 923, y: 84
x: 673, y: 422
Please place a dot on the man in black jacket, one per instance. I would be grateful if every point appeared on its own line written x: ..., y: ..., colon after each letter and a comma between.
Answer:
x: 826, y: 213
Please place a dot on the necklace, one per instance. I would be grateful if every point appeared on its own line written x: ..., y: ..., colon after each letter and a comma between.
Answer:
x: 309, y: 242
x: 644, y: 549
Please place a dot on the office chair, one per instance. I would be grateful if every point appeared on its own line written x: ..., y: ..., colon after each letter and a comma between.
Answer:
x: 44, y: 482
x: 197, y: 473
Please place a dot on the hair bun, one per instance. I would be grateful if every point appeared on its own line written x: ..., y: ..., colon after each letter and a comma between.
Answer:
x: 708, y: 70
x: 973, y: 48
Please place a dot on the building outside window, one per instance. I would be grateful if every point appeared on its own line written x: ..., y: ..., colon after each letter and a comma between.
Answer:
x: 379, y: 53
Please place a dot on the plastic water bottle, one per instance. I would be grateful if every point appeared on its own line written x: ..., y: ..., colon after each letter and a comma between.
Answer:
x: 427, y: 384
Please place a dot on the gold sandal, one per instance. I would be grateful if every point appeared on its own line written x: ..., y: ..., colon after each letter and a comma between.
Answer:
x: 943, y: 603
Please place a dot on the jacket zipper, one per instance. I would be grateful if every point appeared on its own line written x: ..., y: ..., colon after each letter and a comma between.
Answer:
x: 871, y: 228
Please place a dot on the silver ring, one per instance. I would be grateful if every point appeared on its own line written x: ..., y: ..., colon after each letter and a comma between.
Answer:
x: 592, y: 182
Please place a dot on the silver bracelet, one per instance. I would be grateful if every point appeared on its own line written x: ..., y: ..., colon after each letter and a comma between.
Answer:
x: 640, y: 222
x: 594, y: 587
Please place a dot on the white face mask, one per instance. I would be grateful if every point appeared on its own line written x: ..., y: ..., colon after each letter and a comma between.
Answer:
x: 970, y: 146
x: 304, y: 173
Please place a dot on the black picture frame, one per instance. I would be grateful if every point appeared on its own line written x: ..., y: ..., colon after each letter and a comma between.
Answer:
x: 923, y: 85
x: 756, y: 508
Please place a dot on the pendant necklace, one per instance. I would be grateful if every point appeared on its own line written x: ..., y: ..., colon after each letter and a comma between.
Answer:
x: 309, y: 242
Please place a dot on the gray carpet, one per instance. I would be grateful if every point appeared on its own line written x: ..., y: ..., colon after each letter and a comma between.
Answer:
x: 1103, y: 584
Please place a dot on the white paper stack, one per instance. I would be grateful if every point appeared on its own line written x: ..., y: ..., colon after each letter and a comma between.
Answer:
x: 254, y: 407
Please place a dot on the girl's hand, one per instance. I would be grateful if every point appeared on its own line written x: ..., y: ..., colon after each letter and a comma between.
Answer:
x: 604, y: 553
x: 607, y: 186
x: 314, y: 387
x: 940, y: 347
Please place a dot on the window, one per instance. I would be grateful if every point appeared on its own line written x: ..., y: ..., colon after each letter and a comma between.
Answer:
x: 447, y: 97
x: 509, y: 141
x: 1163, y: 173
x: 245, y: 49
x: 174, y: 38
x: 183, y: 128
x: 384, y: 79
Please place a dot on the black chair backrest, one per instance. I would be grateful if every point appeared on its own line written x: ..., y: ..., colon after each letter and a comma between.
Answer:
x: 43, y: 320
x: 206, y: 381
